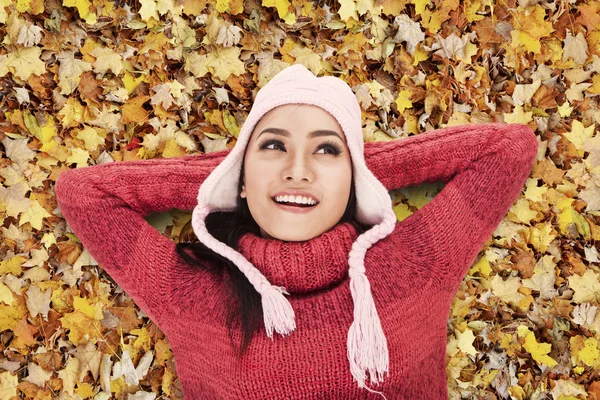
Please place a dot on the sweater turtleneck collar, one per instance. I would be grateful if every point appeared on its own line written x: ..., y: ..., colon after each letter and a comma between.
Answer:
x: 305, y: 266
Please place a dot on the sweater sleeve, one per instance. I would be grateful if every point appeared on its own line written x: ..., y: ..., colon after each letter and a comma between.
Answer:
x: 105, y: 205
x: 484, y: 167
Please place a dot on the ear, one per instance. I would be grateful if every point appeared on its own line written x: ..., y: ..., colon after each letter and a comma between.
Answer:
x: 243, y: 192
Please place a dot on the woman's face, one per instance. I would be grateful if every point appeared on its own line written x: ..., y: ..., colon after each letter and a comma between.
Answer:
x: 297, y: 147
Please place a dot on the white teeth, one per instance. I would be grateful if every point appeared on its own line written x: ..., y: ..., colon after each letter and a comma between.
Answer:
x: 295, y: 199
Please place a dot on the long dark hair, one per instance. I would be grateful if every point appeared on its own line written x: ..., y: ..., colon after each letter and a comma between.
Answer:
x: 228, y: 227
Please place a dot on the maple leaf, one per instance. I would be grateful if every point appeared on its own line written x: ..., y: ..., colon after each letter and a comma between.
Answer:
x: 162, y: 95
x: 539, y: 351
x: 229, y: 35
x: 37, y: 375
x: 106, y: 59
x: 456, y: 48
x: 106, y: 119
x: 148, y: 10
x: 222, y: 63
x: 586, y: 287
x: 575, y: 48
x: 83, y: 6
x: 409, y: 32
x: 23, y: 63
x: 38, y: 301
x: 29, y: 34
x: 8, y: 385
x: 348, y: 10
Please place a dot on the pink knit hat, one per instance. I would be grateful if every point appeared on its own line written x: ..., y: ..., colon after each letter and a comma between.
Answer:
x: 367, y: 345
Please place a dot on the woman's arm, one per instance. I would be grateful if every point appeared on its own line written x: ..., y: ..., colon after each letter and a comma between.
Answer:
x: 484, y: 167
x: 104, y: 205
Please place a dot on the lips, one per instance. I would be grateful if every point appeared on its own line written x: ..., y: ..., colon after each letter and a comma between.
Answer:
x: 295, y: 208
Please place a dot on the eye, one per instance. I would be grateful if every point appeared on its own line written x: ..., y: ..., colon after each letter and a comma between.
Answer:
x: 334, y: 148
x: 264, y: 145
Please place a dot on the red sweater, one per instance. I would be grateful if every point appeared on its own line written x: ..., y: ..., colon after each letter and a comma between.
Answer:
x: 414, y: 272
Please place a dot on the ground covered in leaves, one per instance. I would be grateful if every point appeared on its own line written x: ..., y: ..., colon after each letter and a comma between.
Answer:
x: 84, y: 82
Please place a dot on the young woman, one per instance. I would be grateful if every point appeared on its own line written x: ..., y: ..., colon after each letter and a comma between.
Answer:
x: 291, y: 222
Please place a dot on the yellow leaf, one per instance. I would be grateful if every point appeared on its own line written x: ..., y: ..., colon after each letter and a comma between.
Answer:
x: 518, y: 116
x: 565, y: 109
x: 69, y: 375
x: 471, y: 8
x: 79, y: 157
x: 579, y: 135
x: 353, y: 41
x: 85, y: 390
x: 45, y: 132
x: 231, y: 124
x: 403, y: 100
x: 88, y: 307
x: 92, y: 139
x: 522, y: 211
x: 11, y: 315
x: 420, y: 55
x: 482, y: 266
x: 586, y: 287
x: 167, y: 380
x: 34, y: 215
x: 541, y: 236
x: 532, y: 21
x: 130, y: 82
x: 524, y: 39
x: 222, y: 6
x: 24, y: 62
x: 539, y: 351
x: 143, y: 341
x: 3, y: 14
x: 584, y: 349
x: 83, y: 6
x: 172, y: 149
x: 569, y: 219
x: 12, y: 265
x: 6, y: 295
x: 69, y: 72
x: 308, y: 58
x: 402, y: 211
x: 348, y: 10
x: 465, y: 341
x: 149, y: 9
x: 281, y: 6
x: 71, y: 114
x: 8, y: 385
x: 595, y: 88
x: 222, y: 63
x: 420, y: 6
x: 80, y: 326
x: 507, y: 290
x: 107, y: 59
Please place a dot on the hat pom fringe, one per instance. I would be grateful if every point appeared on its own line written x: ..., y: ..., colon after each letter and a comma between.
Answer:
x: 277, y: 311
x: 367, y: 345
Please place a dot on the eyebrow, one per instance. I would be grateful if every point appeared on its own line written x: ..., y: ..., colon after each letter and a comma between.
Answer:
x: 313, y: 134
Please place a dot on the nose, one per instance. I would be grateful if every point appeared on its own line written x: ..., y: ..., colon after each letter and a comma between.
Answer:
x: 298, y: 169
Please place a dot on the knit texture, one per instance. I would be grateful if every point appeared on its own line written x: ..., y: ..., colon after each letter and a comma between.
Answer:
x: 414, y: 272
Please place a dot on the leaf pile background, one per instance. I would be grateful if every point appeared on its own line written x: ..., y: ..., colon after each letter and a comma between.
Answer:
x: 84, y: 82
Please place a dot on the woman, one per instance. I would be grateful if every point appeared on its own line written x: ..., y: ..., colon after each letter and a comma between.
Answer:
x: 307, y: 265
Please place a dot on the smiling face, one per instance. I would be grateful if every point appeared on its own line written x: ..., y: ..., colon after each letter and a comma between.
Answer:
x: 297, y: 148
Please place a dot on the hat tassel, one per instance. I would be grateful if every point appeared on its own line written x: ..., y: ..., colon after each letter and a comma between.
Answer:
x: 277, y: 311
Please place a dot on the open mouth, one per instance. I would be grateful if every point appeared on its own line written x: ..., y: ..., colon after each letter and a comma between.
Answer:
x: 294, y: 205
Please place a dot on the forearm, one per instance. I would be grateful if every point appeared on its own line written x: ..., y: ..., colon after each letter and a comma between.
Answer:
x: 433, y: 156
x: 145, y: 186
